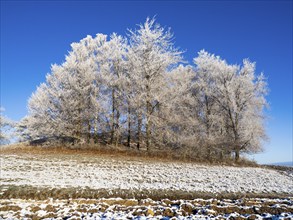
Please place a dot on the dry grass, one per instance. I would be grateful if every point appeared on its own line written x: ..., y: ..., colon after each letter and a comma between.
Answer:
x: 119, y: 151
x: 87, y: 150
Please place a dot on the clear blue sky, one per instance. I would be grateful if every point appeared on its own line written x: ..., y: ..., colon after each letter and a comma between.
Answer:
x: 36, y: 34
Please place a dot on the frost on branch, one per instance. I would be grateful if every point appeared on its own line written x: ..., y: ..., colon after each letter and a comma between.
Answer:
x: 6, y: 125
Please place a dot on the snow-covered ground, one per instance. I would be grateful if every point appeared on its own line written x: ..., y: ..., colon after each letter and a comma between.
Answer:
x: 147, y: 209
x: 98, y: 172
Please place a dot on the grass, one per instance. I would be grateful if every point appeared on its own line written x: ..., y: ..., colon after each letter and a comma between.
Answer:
x: 121, y: 152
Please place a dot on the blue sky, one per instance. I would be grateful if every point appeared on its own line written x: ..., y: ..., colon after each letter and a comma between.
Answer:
x: 36, y: 34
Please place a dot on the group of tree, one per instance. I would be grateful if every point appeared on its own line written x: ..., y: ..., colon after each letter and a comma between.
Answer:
x: 136, y: 91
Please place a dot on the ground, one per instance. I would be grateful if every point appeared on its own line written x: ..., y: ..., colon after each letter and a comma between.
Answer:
x: 74, y: 185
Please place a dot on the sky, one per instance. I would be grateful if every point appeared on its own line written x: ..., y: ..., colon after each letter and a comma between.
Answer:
x: 36, y: 34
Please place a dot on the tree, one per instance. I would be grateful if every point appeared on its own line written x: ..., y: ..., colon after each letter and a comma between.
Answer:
x: 204, y: 93
x: 67, y: 103
x: 139, y: 92
x: 113, y: 76
x: 6, y: 125
x: 21, y: 130
x: 152, y: 55
x: 42, y: 120
x: 173, y: 125
x: 240, y: 97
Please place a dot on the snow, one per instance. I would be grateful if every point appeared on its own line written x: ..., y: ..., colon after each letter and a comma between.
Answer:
x: 205, y: 209
x: 97, y: 172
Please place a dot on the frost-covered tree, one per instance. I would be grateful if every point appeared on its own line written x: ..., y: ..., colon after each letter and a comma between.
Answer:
x: 67, y: 103
x: 21, y: 130
x: 40, y: 122
x: 133, y: 91
x: 177, y: 129
x: 152, y: 55
x: 237, y: 101
x: 6, y: 125
x: 205, y: 96
x: 113, y: 76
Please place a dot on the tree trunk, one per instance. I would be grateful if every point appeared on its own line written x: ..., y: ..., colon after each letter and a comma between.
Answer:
x: 207, y: 124
x: 129, y: 126
x: 148, y: 119
x: 117, y: 127
x: 89, y: 132
x: 208, y: 156
x: 237, y: 154
x: 139, y: 120
x: 148, y: 133
x: 113, y: 118
x: 221, y: 155
x: 96, y: 130
x: 79, y: 132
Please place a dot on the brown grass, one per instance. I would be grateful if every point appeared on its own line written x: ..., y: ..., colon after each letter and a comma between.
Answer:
x: 121, y: 152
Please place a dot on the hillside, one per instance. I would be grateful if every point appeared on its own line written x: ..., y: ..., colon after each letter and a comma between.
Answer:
x: 72, y: 175
x: 134, y: 174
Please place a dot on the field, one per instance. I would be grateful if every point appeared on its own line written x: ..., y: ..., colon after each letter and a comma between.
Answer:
x: 76, y: 184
